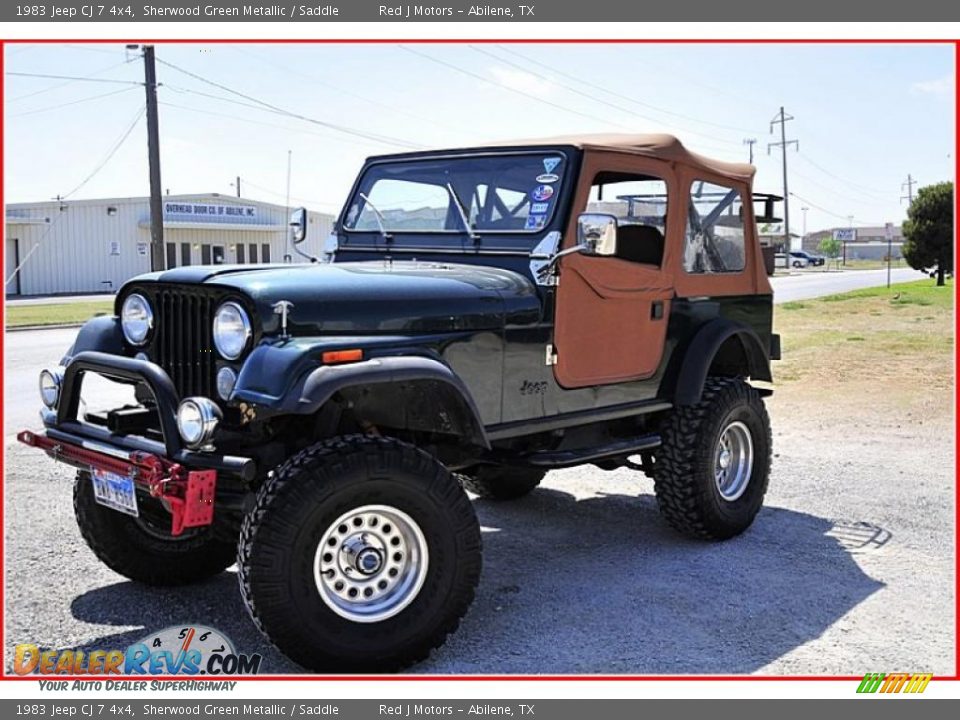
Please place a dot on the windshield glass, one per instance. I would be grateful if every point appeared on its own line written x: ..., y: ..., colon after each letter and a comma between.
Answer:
x: 499, y: 193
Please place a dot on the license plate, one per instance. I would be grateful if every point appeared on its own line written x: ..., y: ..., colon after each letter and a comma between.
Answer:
x: 115, y: 492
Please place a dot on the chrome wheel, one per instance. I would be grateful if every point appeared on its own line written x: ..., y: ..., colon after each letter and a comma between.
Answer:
x: 733, y: 461
x: 371, y: 563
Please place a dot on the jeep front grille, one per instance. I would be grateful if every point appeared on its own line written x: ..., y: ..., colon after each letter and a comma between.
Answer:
x: 183, y: 345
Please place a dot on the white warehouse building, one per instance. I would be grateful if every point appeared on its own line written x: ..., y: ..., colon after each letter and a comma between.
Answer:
x: 91, y: 246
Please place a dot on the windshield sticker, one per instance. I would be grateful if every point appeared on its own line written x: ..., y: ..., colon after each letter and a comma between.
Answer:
x: 547, y: 178
x: 541, y: 193
x: 539, y: 208
x: 535, y: 222
x: 550, y: 164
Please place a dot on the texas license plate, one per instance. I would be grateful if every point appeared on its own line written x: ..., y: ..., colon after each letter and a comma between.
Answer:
x: 115, y: 492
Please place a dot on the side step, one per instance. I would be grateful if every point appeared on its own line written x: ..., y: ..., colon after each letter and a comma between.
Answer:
x: 569, y: 458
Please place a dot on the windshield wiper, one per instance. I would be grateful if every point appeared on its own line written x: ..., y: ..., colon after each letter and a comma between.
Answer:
x: 463, y: 213
x: 379, y: 217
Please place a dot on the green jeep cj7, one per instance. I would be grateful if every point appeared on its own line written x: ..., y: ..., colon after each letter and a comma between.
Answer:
x: 479, y: 317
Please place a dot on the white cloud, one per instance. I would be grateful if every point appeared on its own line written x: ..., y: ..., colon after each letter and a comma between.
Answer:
x: 523, y: 81
x: 941, y: 87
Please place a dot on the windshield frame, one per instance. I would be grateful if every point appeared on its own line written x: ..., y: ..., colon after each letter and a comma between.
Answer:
x: 563, y: 186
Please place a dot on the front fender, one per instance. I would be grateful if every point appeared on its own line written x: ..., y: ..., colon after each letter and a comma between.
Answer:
x: 99, y: 334
x: 285, y: 382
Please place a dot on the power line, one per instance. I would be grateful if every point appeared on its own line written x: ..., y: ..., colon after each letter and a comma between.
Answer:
x: 861, y: 188
x: 834, y: 191
x: 72, y: 102
x: 64, y: 84
x: 62, y: 208
x: 50, y: 227
x: 830, y: 212
x: 590, y: 96
x: 310, y: 201
x: 385, y: 139
x: 343, y: 91
x: 487, y: 80
x: 113, y: 151
x: 614, y: 93
x: 74, y: 78
x: 234, y: 117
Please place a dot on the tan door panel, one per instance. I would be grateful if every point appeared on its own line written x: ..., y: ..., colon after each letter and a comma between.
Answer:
x: 611, y: 315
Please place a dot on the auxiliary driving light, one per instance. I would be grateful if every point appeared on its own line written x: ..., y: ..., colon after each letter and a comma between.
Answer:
x: 197, y: 419
x: 50, y: 382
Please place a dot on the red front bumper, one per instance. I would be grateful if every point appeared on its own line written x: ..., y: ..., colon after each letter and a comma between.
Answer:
x: 187, y: 494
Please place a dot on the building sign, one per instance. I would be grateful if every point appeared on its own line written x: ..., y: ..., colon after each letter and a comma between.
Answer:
x: 845, y: 234
x: 200, y: 212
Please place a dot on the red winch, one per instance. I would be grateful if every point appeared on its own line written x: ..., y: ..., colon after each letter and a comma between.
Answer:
x: 187, y: 494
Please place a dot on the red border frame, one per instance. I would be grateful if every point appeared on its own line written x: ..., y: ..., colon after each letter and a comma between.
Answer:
x: 458, y: 41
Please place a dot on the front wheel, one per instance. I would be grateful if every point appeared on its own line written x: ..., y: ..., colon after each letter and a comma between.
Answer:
x: 712, y: 470
x: 361, y: 554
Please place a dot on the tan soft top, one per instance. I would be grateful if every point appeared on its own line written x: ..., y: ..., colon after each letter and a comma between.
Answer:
x: 662, y: 146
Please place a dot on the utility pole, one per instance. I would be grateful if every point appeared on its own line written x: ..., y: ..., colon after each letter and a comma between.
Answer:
x: 157, y: 258
x: 750, y: 142
x: 238, y: 186
x: 781, y: 119
x: 289, y: 235
x: 849, y: 235
x: 910, y: 182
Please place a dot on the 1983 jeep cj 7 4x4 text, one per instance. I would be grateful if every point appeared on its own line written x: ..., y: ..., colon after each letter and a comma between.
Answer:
x: 480, y: 317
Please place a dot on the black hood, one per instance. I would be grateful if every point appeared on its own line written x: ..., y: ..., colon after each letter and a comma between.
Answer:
x: 377, y: 297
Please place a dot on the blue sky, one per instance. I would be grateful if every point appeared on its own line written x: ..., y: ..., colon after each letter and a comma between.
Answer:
x: 865, y: 115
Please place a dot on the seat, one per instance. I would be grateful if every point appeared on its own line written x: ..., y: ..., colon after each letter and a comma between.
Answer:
x: 640, y: 244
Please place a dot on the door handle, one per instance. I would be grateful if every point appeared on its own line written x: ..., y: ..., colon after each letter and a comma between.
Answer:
x: 656, y: 310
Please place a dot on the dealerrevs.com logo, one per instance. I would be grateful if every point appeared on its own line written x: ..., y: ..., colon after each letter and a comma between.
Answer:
x: 895, y: 683
x: 176, y: 650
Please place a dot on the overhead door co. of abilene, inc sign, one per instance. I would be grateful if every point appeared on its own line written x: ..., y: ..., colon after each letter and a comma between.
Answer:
x: 200, y: 212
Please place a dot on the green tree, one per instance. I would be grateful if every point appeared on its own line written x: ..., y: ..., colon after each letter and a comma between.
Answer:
x: 831, y: 247
x: 928, y: 231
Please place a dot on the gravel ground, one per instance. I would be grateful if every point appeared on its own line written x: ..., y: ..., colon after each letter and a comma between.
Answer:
x: 848, y: 569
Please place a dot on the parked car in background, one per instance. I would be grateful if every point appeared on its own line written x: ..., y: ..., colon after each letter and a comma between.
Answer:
x: 811, y: 259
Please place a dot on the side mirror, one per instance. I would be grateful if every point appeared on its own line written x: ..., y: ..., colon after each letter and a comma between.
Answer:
x: 298, y: 225
x: 597, y: 234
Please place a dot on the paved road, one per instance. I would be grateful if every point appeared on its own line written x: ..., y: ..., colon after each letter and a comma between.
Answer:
x: 805, y: 285
x: 848, y: 568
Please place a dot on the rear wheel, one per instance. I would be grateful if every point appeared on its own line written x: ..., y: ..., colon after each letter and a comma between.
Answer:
x: 142, y: 548
x: 712, y: 470
x: 360, y: 555
x: 500, y: 482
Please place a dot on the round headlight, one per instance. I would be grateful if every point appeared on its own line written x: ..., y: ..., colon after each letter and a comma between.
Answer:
x: 136, y: 319
x: 226, y: 379
x: 231, y: 330
x: 50, y: 382
x: 197, y: 418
